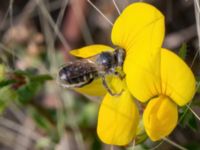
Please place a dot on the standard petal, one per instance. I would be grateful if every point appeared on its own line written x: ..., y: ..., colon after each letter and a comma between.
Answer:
x: 118, y: 119
x: 89, y: 51
x: 160, y: 117
x: 143, y: 78
x: 140, y: 27
x: 178, y: 81
x: 140, y: 31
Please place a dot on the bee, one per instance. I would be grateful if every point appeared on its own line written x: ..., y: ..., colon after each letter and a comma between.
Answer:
x: 79, y: 73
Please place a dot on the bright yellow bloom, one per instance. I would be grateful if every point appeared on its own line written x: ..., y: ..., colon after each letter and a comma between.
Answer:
x: 152, y: 73
x: 118, y: 115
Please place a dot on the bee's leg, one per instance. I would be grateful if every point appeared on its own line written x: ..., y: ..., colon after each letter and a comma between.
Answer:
x: 121, y: 75
x: 108, y: 89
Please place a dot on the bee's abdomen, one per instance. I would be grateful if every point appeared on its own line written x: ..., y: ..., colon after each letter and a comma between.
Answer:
x: 78, y: 74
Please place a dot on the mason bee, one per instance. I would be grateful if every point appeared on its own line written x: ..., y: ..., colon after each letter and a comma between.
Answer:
x: 78, y: 73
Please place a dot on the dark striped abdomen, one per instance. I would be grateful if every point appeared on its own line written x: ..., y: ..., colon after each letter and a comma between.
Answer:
x: 78, y: 74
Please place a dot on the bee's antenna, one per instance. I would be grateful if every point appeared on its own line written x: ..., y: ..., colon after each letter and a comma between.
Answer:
x: 99, y: 11
x: 115, y: 4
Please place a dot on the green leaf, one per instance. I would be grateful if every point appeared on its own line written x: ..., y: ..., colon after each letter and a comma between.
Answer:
x: 141, y: 138
x: 40, y: 120
x: 88, y: 115
x: 54, y: 136
x: 198, y: 90
x: 96, y: 144
x: 2, y: 72
x: 183, y: 51
x: 192, y: 123
x: 6, y: 82
x: 41, y: 78
x: 188, y: 119
x: 22, y: 73
x: 28, y: 91
x: 198, y: 83
x: 196, y: 102
x: 7, y: 95
x: 193, y: 145
x: 183, y: 116
x: 45, y: 124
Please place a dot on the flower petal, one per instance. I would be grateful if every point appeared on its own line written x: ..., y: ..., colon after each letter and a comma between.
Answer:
x: 118, y: 119
x: 178, y: 81
x: 91, y: 50
x: 141, y: 37
x: 95, y: 88
x: 118, y: 116
x: 160, y: 117
x: 140, y: 27
x: 143, y: 78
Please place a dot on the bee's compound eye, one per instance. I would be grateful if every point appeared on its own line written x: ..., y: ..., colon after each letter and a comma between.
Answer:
x: 105, y: 59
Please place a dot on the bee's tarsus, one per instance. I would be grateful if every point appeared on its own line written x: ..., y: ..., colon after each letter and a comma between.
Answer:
x: 116, y: 94
x: 121, y: 74
x: 108, y: 88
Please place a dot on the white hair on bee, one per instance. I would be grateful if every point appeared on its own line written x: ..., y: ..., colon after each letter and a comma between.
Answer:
x: 63, y: 77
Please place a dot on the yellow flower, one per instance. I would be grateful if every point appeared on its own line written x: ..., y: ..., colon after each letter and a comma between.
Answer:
x: 152, y: 73
x: 118, y: 115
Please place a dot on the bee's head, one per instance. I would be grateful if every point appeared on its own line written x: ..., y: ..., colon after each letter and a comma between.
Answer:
x: 105, y: 60
x: 119, y: 56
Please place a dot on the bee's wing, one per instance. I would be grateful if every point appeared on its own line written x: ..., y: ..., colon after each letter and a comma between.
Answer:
x: 92, y: 61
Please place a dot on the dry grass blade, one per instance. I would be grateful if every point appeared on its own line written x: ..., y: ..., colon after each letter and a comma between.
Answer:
x: 84, y: 27
x: 99, y: 11
x: 18, y: 128
x: 50, y: 42
x: 11, y: 22
x: 197, y: 16
x: 174, y: 144
x: 8, y: 50
x: 52, y: 23
x: 195, y: 114
x: 73, y: 123
x: 117, y: 8
x: 62, y: 12
x: 158, y: 145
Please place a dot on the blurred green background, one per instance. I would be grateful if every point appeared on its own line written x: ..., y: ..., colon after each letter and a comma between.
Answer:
x: 35, y: 39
